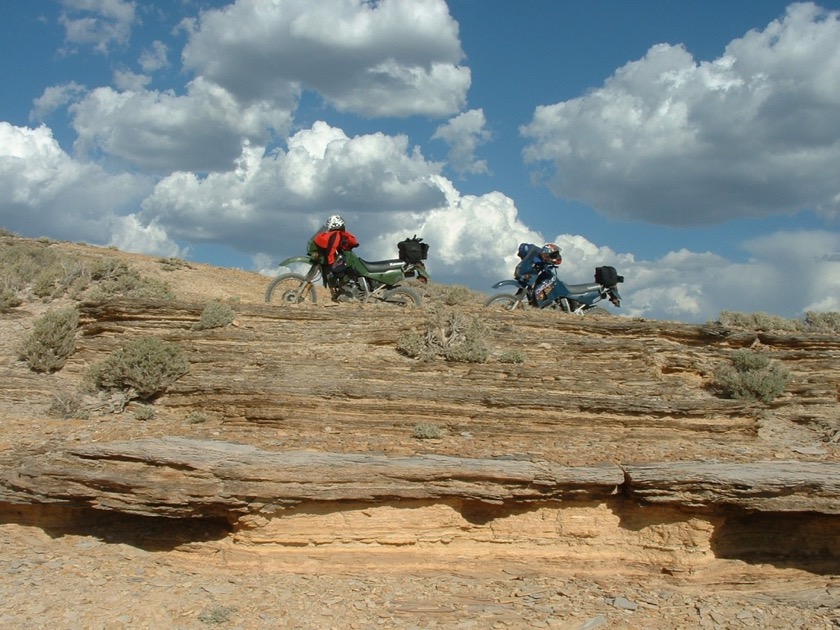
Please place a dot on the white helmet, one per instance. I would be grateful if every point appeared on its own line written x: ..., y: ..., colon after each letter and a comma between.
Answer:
x: 335, y: 222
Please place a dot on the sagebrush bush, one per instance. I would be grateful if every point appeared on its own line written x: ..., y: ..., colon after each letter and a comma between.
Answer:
x: 116, y: 279
x: 512, y: 356
x: 144, y: 412
x: 217, y: 614
x: 413, y: 344
x: 456, y: 294
x: 52, y: 340
x: 45, y: 283
x: 214, y: 315
x: 750, y: 375
x: 147, y: 366
x: 197, y: 417
x: 173, y: 264
x: 451, y: 295
x: 8, y: 299
x: 36, y: 267
x: 811, y: 322
x: 448, y: 334
x: 822, y: 322
x: 68, y: 404
x: 427, y: 431
x: 758, y: 321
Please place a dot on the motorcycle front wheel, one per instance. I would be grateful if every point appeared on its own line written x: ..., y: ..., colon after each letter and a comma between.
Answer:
x: 403, y: 296
x: 290, y: 288
x: 505, y: 302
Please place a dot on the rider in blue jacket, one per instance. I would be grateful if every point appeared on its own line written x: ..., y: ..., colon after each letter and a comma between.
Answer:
x: 536, y: 263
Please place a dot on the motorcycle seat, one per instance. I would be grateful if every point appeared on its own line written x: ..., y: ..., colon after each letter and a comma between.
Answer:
x: 577, y: 289
x: 379, y: 266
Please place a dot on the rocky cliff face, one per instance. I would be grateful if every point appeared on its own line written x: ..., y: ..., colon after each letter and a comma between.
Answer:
x: 294, y: 429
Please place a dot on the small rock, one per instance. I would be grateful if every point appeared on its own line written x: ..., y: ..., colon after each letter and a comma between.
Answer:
x: 624, y: 603
x: 594, y: 622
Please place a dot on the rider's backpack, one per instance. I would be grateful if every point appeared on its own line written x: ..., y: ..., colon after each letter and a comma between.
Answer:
x: 413, y: 250
x: 607, y: 276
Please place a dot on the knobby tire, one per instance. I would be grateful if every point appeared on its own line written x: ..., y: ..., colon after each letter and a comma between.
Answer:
x: 403, y: 296
x: 282, y: 290
x: 504, y: 302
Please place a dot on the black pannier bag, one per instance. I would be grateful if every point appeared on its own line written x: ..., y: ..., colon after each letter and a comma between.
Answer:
x: 607, y: 276
x: 413, y: 250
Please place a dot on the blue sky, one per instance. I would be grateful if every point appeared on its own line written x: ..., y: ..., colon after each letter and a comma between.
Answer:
x: 693, y: 145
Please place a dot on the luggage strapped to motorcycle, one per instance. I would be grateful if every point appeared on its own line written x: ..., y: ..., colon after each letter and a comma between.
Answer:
x: 607, y: 276
x: 413, y: 250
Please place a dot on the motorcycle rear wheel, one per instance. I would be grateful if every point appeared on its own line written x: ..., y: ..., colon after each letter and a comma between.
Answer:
x: 505, y: 302
x: 598, y: 310
x: 288, y: 288
x: 403, y: 296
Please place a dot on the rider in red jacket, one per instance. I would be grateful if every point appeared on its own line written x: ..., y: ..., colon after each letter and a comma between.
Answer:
x: 326, y: 247
x: 334, y: 239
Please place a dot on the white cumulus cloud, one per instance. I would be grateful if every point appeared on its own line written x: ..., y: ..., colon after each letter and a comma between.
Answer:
x: 98, y: 23
x: 464, y: 134
x: 674, y: 141
x: 46, y: 191
x: 272, y: 201
x: 388, y: 58
x: 161, y: 132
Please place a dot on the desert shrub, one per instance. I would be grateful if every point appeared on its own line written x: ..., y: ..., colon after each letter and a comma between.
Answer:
x: 74, y: 277
x: 8, y: 299
x: 106, y: 269
x: 147, y: 366
x: 413, y: 344
x: 512, y: 356
x: 46, y: 272
x: 52, y: 340
x: 456, y: 294
x: 822, y: 322
x: 67, y: 404
x: 427, y: 431
x: 144, y: 412
x: 758, y: 321
x: 45, y: 283
x: 173, y: 264
x: 214, y: 315
x: 750, y: 375
x: 471, y: 349
x: 452, y: 295
x: 196, y: 417
x: 116, y: 279
x: 448, y: 334
x: 217, y: 614
x: 19, y: 264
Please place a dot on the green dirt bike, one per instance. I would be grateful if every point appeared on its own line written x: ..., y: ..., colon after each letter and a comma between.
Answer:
x: 362, y: 280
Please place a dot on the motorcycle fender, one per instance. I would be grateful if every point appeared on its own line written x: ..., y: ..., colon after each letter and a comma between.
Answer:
x: 295, y: 259
x: 507, y: 283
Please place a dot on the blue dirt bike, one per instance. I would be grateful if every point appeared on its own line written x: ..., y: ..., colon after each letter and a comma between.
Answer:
x: 361, y: 280
x: 551, y: 292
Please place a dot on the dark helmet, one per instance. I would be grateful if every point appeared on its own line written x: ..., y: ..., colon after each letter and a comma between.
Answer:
x: 551, y: 253
x: 523, y: 250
